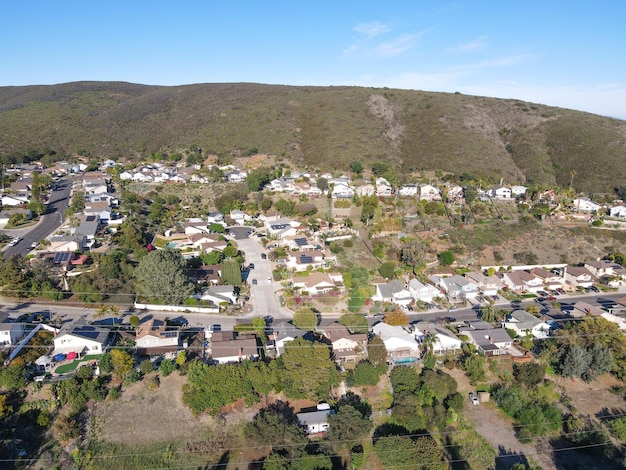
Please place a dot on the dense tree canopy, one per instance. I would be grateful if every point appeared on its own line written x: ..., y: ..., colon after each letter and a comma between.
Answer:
x: 309, y: 371
x: 161, y: 278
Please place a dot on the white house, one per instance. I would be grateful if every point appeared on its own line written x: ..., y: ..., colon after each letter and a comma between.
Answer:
x: 618, y: 212
x: 215, y: 217
x: 421, y: 291
x: 500, y: 192
x: 394, y: 292
x: 366, y: 190
x: 400, y: 344
x: 384, y: 190
x: 584, y: 204
x: 488, y: 285
x: 522, y: 281
x: 524, y: 324
x: 220, y: 294
x: 518, y: 190
x: 315, y: 421
x: 319, y: 283
x: 11, y: 333
x: 301, y: 260
x: 14, y: 200
x: 578, y: 276
x: 428, y: 192
x: 490, y: 341
x: 240, y: 217
x: 457, y: 288
x: 81, y: 338
x: 342, y: 191
x: 153, y: 337
x: 346, y: 346
x: 444, y: 341
x: 408, y: 190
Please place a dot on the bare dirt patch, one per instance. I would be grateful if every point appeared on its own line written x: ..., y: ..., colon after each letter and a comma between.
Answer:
x: 147, y: 417
x: 595, y: 398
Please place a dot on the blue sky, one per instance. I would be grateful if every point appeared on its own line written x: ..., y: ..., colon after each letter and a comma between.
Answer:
x: 560, y: 53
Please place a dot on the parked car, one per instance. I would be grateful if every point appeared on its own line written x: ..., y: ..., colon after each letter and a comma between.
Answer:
x: 379, y: 316
x: 251, y: 266
x: 474, y: 398
x: 551, y: 298
x: 263, y: 255
x: 451, y: 308
x: 254, y: 282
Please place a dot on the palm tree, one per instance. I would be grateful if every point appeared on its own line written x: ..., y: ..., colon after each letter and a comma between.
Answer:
x: 489, y: 314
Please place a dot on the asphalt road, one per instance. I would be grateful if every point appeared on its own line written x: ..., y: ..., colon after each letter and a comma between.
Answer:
x: 49, y: 222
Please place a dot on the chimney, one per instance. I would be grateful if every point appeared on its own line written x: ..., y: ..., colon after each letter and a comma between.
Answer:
x: 490, y: 340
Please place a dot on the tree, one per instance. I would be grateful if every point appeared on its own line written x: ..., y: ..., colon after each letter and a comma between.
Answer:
x: 216, y: 228
x: 356, y: 167
x: 530, y: 374
x: 322, y: 184
x: 489, y: 313
x: 308, y: 371
x: 134, y: 320
x: 257, y: 179
x: 377, y: 352
x: 396, y: 317
x: 387, y: 270
x: 231, y: 272
x: 146, y: 366
x: 355, y: 322
x: 212, y: 258
x: 368, y: 208
x: 167, y: 367
x: 122, y: 362
x: 5, y: 408
x: 421, y: 453
x: 474, y: 366
x: 305, y: 320
x: 413, y: 254
x: 347, y: 426
x: 161, y: 277
x: 446, y: 258
x: 365, y: 374
x: 13, y: 377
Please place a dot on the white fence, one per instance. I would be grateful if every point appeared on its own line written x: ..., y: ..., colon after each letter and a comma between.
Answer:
x: 176, y: 308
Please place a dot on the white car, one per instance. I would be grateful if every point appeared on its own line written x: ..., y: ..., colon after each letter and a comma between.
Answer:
x: 474, y: 398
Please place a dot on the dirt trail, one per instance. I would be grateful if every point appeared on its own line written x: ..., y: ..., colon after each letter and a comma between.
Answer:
x: 494, y: 426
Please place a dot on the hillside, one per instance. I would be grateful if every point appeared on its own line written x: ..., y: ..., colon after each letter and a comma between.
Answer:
x: 322, y: 127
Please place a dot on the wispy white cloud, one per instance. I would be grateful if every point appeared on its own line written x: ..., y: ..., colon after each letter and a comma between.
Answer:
x: 395, y: 47
x: 375, y: 28
x: 474, y: 45
x: 501, y: 62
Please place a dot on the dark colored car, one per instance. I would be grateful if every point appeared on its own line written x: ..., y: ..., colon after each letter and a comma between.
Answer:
x: 254, y: 282
x: 263, y: 256
x: 251, y: 266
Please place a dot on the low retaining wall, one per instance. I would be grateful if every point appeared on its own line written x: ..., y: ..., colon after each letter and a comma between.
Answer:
x: 176, y: 308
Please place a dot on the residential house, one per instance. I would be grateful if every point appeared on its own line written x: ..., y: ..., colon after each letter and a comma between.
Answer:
x: 81, y: 338
x: 195, y: 226
x: 399, y: 343
x: 407, y: 190
x: 384, y: 190
x: 618, y: 212
x: 221, y: 294
x: 428, y: 192
x: 11, y: 333
x: 315, y: 422
x: 284, y: 333
x: 5, y: 216
x: 154, y: 337
x: 346, y: 346
x: 101, y: 209
x: 488, y: 340
x: 395, y: 292
x: 207, y: 273
x: 525, y: 324
x: 550, y: 279
x: 22, y: 186
x: 578, y: 276
x: 88, y: 227
x: 301, y: 260
x: 488, y: 285
x: 603, y: 268
x: 500, y: 192
x: 319, y: 283
x: 240, y: 217
x: 582, y: 309
x: 282, y: 185
x: 517, y: 191
x: 457, y: 288
x: 423, y: 291
x: 443, y: 340
x: 454, y: 193
x: 584, y: 204
x: 14, y: 200
x: 228, y: 347
x: 236, y: 176
x: 366, y: 190
x: 59, y: 243
x: 342, y: 191
x: 522, y: 281
x: 215, y: 217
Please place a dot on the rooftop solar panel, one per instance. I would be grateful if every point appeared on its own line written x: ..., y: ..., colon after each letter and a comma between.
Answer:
x: 61, y: 257
x: 301, y: 241
x: 306, y: 259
